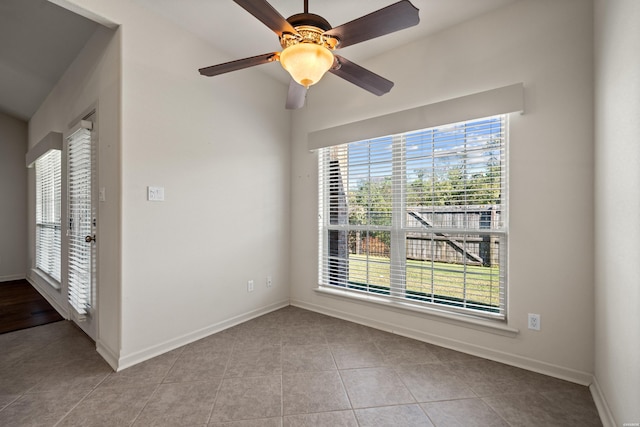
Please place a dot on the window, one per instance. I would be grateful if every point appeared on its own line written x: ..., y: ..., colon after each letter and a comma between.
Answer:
x: 418, y: 217
x: 48, y: 225
x: 82, y: 217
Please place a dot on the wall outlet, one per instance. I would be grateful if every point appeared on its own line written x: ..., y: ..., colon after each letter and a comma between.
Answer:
x: 250, y: 286
x: 534, y: 321
x: 269, y: 282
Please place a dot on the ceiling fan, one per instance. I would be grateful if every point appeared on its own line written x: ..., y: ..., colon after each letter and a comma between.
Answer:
x: 308, y: 42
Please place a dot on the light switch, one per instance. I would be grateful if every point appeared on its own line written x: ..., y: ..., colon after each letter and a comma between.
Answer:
x: 102, y: 195
x: 155, y: 194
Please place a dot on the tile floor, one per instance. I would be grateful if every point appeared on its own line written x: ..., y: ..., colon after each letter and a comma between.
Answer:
x: 291, y: 367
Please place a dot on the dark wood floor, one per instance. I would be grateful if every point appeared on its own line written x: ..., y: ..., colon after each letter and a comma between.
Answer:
x: 21, y: 307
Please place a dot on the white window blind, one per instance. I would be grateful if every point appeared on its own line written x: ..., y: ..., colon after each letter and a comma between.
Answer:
x: 418, y: 217
x: 48, y: 205
x: 81, y: 217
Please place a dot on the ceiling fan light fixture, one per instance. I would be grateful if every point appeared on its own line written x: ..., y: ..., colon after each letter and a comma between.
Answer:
x: 306, y: 62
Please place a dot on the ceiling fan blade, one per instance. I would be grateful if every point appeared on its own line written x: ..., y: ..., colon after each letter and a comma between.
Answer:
x: 238, y: 64
x: 361, y: 77
x: 395, y: 17
x: 296, y: 95
x: 266, y: 14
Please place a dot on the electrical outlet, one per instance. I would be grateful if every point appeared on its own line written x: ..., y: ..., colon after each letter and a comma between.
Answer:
x: 250, y: 286
x: 269, y: 282
x: 534, y: 321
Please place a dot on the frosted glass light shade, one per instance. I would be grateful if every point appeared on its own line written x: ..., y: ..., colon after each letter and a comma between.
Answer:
x: 306, y: 62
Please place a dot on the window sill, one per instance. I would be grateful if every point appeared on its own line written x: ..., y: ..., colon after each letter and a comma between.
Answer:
x: 467, y: 321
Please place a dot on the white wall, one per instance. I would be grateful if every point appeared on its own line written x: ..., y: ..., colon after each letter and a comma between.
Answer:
x: 13, y: 190
x: 547, y: 45
x: 617, y: 190
x: 220, y: 148
x: 91, y: 81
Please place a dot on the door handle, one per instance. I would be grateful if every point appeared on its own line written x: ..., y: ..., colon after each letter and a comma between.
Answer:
x: 90, y: 239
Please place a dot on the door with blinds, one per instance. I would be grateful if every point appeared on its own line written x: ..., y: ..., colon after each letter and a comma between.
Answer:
x: 82, y: 219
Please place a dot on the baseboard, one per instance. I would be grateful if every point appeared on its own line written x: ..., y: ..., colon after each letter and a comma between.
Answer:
x: 10, y: 277
x: 50, y: 299
x: 575, y: 376
x: 142, y: 355
x: 601, y: 404
x: 108, y: 355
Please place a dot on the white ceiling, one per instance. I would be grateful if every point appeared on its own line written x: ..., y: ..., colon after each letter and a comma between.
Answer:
x: 238, y: 34
x: 39, y: 40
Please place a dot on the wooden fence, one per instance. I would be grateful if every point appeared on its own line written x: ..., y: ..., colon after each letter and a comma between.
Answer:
x: 472, y: 249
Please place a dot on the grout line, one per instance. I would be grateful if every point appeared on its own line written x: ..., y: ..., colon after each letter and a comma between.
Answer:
x: 224, y: 372
x: 76, y: 405
x: 94, y: 388
x: 153, y: 393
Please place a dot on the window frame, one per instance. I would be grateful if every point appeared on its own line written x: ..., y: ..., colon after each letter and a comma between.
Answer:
x: 49, y: 264
x: 399, y: 230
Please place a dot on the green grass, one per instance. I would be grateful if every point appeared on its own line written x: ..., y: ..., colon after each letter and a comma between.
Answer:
x: 481, y: 284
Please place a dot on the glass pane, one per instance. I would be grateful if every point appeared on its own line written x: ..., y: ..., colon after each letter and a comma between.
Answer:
x: 458, y: 165
x: 460, y: 270
x: 370, y: 260
x: 369, y: 171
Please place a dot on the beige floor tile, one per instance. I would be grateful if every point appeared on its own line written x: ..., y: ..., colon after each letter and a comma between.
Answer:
x: 198, y: 366
x: 19, y: 378
x: 258, y: 337
x: 262, y: 422
x: 433, y: 381
x: 393, y: 416
x: 179, y: 404
x: 254, y: 362
x: 576, y: 405
x: 6, y: 399
x: 248, y: 398
x: 41, y: 409
x: 108, y: 406
x: 220, y: 342
x: 482, y: 371
x: 307, y: 358
x: 375, y: 387
x: 77, y: 374
x: 290, y: 367
x: 303, y: 335
x: 528, y: 410
x: 357, y: 355
x: 66, y: 349
x: 406, y: 351
x: 463, y: 413
x: 310, y: 392
x: 151, y: 371
x: 347, y: 333
x: 446, y: 355
x: 328, y: 419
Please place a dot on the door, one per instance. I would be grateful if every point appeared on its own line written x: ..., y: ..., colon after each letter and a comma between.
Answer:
x: 82, y: 219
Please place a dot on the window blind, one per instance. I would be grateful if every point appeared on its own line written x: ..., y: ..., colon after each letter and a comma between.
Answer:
x: 48, y: 208
x: 418, y: 217
x: 81, y: 215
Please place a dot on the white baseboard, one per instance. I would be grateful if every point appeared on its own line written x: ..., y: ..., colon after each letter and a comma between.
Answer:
x: 142, y: 355
x: 10, y: 277
x: 108, y: 355
x: 601, y: 404
x: 572, y: 375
